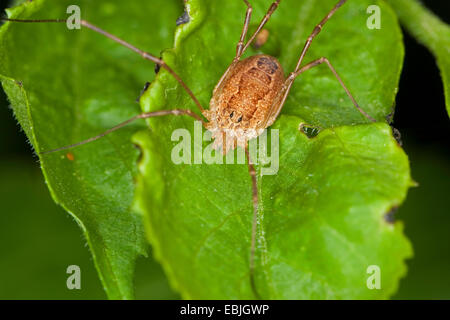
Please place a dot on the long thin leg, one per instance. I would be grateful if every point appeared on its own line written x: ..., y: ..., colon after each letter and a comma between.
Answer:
x: 240, y: 48
x: 240, y: 45
x: 276, y: 109
x: 252, y: 172
x: 316, y: 31
x: 142, y: 53
x: 347, y: 91
x: 176, y: 112
x: 266, y: 18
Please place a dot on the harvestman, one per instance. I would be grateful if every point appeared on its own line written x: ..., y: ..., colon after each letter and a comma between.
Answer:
x: 247, y: 99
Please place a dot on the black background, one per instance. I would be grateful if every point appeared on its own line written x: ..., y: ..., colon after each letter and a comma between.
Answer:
x: 420, y: 113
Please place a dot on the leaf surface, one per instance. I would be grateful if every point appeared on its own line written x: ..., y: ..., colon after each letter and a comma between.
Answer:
x: 68, y: 85
x: 323, y: 217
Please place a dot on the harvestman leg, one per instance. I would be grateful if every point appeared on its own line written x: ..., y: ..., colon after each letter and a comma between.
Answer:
x: 145, y: 115
x: 144, y: 55
x: 316, y: 31
x: 274, y: 113
x: 240, y: 47
x: 276, y: 109
x: 252, y: 172
x: 263, y: 22
x: 315, y: 63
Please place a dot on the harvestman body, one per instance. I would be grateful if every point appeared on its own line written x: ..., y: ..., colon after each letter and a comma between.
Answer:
x: 247, y: 99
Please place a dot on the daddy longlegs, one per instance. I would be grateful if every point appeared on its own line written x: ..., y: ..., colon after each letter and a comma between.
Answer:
x: 247, y: 99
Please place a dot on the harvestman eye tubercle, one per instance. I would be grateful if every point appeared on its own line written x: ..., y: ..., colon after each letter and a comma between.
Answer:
x: 246, y: 100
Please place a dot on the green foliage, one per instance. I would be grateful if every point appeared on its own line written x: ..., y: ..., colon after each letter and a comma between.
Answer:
x: 321, y: 225
x: 66, y: 86
x: 38, y: 241
x: 321, y: 222
x: 431, y: 32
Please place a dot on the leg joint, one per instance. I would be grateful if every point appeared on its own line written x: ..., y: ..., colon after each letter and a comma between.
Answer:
x: 292, y: 76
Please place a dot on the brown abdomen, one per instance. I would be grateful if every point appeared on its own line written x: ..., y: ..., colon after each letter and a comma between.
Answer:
x: 248, y: 92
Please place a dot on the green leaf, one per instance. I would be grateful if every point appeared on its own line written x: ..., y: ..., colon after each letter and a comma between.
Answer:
x: 37, y: 241
x: 430, y: 31
x: 322, y: 219
x: 68, y: 85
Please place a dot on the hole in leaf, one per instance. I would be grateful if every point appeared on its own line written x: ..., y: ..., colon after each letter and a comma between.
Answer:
x: 147, y: 84
x: 389, y: 217
x: 308, y: 130
x: 184, y: 18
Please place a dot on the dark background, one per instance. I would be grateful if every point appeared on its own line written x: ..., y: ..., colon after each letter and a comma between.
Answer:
x: 32, y: 269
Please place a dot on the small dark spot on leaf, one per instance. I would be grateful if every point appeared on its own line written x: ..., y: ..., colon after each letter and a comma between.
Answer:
x: 309, y: 131
x: 70, y: 156
x: 397, y: 135
x: 19, y: 83
x: 389, y: 217
x: 141, y: 154
x: 157, y: 67
x: 147, y: 84
x: 390, y: 117
x: 184, y: 18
